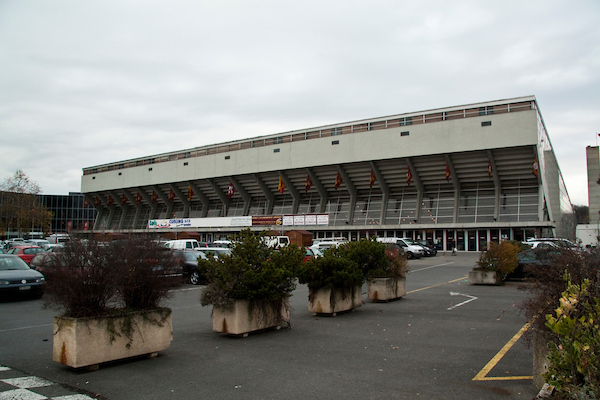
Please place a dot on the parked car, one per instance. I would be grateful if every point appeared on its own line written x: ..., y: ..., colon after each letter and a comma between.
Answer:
x: 16, y: 278
x: 411, y: 248
x: 309, y: 254
x: 214, y: 251
x: 182, y: 244
x: 26, y: 252
x: 531, y: 258
x: 41, y: 262
x: 38, y: 242
x: 429, y: 249
x: 324, y: 245
x: 188, y: 260
x: 53, y: 247
x: 223, y: 243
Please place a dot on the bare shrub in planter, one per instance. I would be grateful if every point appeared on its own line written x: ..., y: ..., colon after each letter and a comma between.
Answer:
x: 119, y: 287
x: 501, y: 257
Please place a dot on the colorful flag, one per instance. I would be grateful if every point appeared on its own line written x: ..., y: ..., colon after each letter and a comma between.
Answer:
x: 86, y: 202
x: 190, y: 193
x: 97, y: 201
x: 138, y: 198
x: 154, y: 197
x: 408, y: 175
x: 308, y: 183
x: 338, y: 181
x: 490, y: 168
x: 123, y: 199
x: 281, y: 186
x: 109, y: 200
x: 447, y: 172
x: 171, y: 196
x: 230, y: 190
x: 373, y: 179
x: 85, y: 226
x: 536, y: 167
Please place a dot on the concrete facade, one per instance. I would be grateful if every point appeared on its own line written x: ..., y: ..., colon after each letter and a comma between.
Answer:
x: 462, y: 175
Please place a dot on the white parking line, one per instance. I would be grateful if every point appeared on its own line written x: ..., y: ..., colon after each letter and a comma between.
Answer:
x: 433, y: 266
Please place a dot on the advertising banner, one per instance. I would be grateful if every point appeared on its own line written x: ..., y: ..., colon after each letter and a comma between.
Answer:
x: 266, y: 220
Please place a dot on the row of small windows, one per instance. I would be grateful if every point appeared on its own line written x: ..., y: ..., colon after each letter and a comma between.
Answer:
x: 368, y: 126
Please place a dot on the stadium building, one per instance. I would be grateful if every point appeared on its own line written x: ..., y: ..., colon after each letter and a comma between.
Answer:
x: 459, y: 176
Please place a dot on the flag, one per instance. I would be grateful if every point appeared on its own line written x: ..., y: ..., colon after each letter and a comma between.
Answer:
x: 190, y: 193
x: 230, y: 190
x: 447, y: 172
x: 109, y: 200
x: 373, y: 179
x: 338, y: 181
x: 281, y: 186
x: 85, y: 226
x: 490, y: 168
x: 86, y: 202
x: 138, y: 198
x: 154, y: 197
x: 308, y: 183
x: 408, y: 175
x: 123, y: 199
x: 536, y: 167
x: 171, y: 196
x: 97, y: 201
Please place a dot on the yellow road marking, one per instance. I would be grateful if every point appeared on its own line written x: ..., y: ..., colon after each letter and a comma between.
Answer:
x: 482, y: 375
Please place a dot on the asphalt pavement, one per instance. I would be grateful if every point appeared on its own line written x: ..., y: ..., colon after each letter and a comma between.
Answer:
x: 445, y: 339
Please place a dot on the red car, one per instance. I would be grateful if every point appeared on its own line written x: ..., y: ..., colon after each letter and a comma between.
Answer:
x: 26, y: 252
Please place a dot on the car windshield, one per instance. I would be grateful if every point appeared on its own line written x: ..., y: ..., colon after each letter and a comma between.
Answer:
x: 12, y: 263
x: 410, y: 242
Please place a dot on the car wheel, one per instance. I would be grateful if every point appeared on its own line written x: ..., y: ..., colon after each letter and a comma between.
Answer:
x: 195, y: 277
x: 410, y: 255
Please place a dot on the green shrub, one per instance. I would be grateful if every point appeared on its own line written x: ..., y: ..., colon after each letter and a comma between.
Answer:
x: 252, y: 272
x: 331, y: 271
x: 574, y: 368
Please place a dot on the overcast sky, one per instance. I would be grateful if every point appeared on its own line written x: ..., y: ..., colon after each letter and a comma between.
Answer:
x: 84, y: 83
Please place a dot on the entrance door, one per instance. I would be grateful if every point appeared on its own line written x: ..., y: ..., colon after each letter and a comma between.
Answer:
x: 472, y: 240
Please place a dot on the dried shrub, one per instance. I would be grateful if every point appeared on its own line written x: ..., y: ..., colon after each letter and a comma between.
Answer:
x: 81, y: 281
x: 90, y: 278
x: 545, y: 283
x: 148, y: 272
x: 501, y: 257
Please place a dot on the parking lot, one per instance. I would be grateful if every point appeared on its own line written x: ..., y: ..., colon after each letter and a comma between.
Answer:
x: 444, y: 340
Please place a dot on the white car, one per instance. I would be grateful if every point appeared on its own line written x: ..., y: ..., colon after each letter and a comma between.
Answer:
x: 215, y: 251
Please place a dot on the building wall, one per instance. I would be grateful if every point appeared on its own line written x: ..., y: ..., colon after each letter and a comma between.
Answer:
x: 506, y: 130
x: 593, y: 174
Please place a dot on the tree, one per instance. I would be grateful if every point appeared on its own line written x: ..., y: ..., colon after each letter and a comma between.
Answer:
x: 20, y: 208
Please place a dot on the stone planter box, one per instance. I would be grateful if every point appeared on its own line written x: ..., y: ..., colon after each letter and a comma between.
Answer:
x: 477, y: 277
x: 88, y: 342
x: 540, y: 360
x: 242, y: 319
x: 332, y: 301
x: 385, y: 289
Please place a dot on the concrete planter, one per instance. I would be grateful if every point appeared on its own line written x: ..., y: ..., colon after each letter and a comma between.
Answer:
x: 477, y: 277
x: 87, y: 342
x: 540, y: 359
x: 333, y: 301
x: 385, y: 289
x: 243, y: 318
